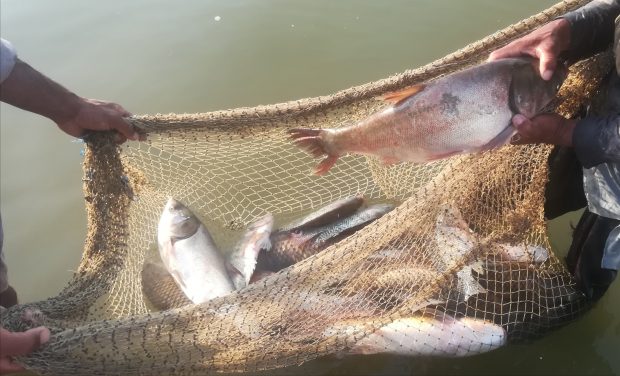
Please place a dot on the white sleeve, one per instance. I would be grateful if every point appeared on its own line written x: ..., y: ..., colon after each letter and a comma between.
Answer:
x: 7, y: 59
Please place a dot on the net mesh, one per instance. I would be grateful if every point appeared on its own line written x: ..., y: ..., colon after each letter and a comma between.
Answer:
x: 407, y: 278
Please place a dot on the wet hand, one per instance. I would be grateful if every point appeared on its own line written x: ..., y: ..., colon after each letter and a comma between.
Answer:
x: 546, y: 129
x: 19, y: 343
x: 96, y: 115
x: 545, y: 44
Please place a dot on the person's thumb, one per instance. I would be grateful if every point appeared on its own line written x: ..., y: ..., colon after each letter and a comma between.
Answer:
x: 547, y: 64
x: 519, y: 121
x: 22, y: 343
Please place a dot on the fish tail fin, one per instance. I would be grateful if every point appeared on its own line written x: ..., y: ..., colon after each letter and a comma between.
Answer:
x: 314, y: 142
x: 325, y: 165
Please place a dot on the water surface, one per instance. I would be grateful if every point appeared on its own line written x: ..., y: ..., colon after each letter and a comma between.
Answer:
x: 155, y: 56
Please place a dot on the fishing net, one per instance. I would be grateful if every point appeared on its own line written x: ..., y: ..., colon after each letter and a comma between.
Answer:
x: 410, y: 273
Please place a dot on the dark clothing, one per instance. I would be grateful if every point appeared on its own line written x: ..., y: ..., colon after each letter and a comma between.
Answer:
x: 592, y: 28
x: 594, y: 256
x: 564, y: 190
x: 597, y: 138
x: 617, y: 45
x: 586, y: 251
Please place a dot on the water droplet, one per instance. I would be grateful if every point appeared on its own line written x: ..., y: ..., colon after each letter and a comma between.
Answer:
x: 217, y: 18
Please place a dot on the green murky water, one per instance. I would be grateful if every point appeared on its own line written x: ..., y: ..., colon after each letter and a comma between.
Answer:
x: 160, y: 56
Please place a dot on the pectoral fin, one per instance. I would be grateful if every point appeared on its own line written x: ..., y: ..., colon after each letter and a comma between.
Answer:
x: 397, y: 97
x: 500, y: 140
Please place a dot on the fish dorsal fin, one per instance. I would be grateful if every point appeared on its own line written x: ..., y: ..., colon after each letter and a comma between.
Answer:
x: 397, y: 97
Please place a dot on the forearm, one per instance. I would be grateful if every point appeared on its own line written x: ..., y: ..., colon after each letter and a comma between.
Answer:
x: 597, y: 140
x: 32, y: 91
x: 592, y: 28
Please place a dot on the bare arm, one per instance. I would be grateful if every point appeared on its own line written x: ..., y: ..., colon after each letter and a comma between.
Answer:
x: 30, y: 90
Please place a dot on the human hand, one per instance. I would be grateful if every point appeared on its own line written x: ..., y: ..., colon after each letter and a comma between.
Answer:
x: 545, y: 128
x: 96, y: 115
x: 545, y: 44
x: 19, y: 343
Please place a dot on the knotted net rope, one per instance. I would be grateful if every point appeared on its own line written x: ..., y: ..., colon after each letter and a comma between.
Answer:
x: 231, y: 167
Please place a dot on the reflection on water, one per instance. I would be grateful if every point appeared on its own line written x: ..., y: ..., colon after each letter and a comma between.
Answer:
x: 153, y: 57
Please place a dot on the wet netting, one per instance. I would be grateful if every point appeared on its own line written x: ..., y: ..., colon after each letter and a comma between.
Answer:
x: 461, y: 266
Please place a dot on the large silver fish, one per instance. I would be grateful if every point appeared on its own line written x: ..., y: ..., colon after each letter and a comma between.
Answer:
x: 426, y: 336
x: 464, y: 112
x: 290, y: 247
x: 190, y: 254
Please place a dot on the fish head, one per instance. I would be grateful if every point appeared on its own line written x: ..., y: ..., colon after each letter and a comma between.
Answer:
x: 529, y: 93
x: 177, y: 221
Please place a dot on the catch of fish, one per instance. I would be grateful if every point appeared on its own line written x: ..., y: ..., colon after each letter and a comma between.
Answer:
x: 195, y: 264
x: 440, y: 333
x: 465, y: 112
x: 195, y: 271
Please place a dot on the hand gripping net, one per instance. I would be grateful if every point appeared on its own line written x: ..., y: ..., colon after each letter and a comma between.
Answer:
x: 231, y: 167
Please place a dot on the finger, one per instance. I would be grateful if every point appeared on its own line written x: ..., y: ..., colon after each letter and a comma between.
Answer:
x: 510, y: 50
x: 8, y: 366
x: 123, y: 126
x: 519, y: 121
x: 120, y: 109
x: 22, y: 343
x: 499, y: 54
x: 119, y: 138
x: 547, y: 65
x: 522, y: 125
